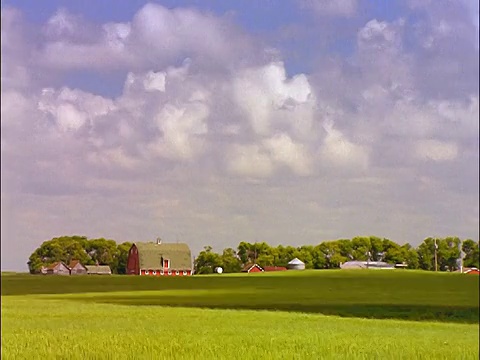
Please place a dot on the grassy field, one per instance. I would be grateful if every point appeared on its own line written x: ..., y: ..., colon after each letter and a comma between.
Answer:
x: 377, y: 314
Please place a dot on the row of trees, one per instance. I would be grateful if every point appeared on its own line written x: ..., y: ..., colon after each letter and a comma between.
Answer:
x: 450, y: 252
x: 326, y: 255
x: 88, y: 251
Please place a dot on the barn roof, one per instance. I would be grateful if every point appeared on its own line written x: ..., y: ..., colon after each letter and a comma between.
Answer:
x: 150, y: 255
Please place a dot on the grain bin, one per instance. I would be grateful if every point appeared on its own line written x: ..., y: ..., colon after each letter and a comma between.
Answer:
x: 296, y: 264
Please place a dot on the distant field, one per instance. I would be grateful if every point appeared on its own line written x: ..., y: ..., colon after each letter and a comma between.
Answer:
x: 205, y: 317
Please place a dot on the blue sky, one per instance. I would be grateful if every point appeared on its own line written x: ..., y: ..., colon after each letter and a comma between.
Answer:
x: 214, y: 122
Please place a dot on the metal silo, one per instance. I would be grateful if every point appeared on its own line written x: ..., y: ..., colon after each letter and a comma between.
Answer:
x: 296, y: 264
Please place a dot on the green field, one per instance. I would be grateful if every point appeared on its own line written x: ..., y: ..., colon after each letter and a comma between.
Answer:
x: 295, y: 315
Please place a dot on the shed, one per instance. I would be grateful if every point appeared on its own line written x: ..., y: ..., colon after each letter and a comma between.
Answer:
x: 274, y: 268
x: 58, y: 268
x: 76, y: 268
x: 159, y: 259
x: 98, y: 270
x: 355, y: 264
x: 252, y: 268
x: 296, y: 264
x: 472, y: 271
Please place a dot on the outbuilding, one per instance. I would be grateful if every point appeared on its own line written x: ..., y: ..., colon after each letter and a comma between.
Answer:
x: 76, y: 268
x: 252, y: 268
x: 58, y: 268
x: 98, y: 270
x: 296, y: 264
x: 472, y: 271
x: 274, y: 268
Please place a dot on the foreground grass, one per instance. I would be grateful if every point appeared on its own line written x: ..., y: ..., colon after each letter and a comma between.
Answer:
x: 44, y: 327
x: 365, y: 294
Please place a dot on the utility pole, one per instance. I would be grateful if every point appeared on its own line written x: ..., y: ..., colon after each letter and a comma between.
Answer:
x: 436, y: 247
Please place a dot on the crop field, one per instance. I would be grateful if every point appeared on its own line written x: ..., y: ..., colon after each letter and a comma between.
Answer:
x: 292, y: 315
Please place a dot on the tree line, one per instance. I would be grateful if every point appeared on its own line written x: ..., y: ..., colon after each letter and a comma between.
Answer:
x: 331, y: 254
x: 326, y: 255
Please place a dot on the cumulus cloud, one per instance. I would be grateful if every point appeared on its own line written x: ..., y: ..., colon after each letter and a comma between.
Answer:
x: 211, y: 131
x: 156, y: 37
x: 270, y: 100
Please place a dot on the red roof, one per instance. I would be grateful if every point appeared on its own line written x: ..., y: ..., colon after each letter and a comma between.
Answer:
x: 248, y: 267
x: 472, y: 271
x: 275, y: 268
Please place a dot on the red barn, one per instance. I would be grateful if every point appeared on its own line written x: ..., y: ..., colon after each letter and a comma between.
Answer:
x: 159, y: 259
x: 252, y: 268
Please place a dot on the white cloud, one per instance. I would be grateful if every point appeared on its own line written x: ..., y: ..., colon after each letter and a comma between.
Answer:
x: 266, y: 95
x: 156, y: 36
x: 436, y: 150
x: 339, y: 151
x: 182, y: 129
x: 154, y: 81
x: 284, y: 151
x: 249, y: 161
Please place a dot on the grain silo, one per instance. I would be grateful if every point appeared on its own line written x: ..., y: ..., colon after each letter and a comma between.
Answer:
x: 296, y: 264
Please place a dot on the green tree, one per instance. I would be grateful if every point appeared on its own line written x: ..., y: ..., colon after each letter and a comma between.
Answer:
x: 471, y: 251
x: 122, y: 251
x: 230, y: 262
x: 207, y: 261
x: 426, y: 252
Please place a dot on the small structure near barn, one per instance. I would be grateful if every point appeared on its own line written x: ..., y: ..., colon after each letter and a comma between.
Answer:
x: 296, y: 264
x: 76, y: 268
x: 366, y: 265
x: 58, y: 268
x: 274, y: 268
x: 252, y: 268
x: 471, y: 271
x: 98, y: 270
x: 159, y: 259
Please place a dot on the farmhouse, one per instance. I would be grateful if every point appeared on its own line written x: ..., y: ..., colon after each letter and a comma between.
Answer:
x: 252, y: 268
x: 58, y: 268
x: 76, y: 268
x: 159, y: 259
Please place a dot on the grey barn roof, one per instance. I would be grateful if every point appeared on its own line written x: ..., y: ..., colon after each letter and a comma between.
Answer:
x: 150, y: 255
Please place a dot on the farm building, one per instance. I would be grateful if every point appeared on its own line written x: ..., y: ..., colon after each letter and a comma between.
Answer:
x: 471, y: 271
x: 296, y: 264
x: 76, y: 268
x: 274, y: 268
x: 252, y: 268
x: 98, y: 270
x: 58, y: 268
x: 366, y: 265
x: 159, y: 259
